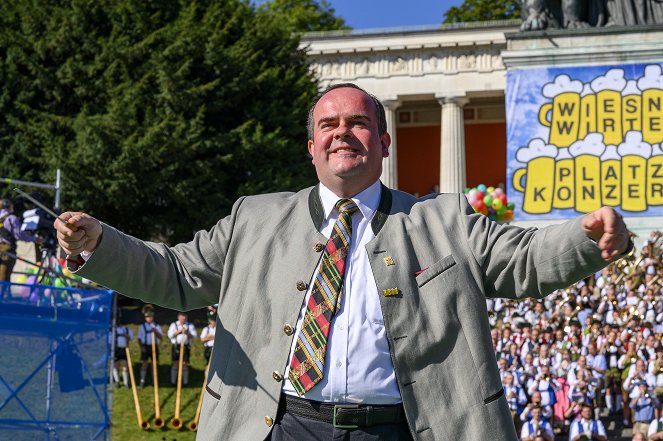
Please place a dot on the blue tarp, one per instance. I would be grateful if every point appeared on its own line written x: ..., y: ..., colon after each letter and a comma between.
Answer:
x: 54, y: 350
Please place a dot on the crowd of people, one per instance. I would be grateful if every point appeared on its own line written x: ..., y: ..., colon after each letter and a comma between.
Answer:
x: 587, y: 353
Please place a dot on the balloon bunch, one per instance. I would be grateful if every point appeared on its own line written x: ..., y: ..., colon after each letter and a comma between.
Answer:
x: 491, y: 202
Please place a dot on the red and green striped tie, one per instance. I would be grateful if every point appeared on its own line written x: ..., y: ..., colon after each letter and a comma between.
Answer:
x: 308, y: 360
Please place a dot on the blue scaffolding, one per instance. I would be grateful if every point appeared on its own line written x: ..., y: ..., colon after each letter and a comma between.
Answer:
x: 54, y: 350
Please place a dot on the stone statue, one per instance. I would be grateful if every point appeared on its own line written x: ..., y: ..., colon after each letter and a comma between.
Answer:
x: 575, y: 14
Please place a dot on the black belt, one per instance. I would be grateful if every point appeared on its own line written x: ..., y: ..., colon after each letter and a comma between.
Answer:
x: 344, y: 416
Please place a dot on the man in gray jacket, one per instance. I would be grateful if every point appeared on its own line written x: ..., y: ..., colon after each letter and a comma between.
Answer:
x: 349, y: 310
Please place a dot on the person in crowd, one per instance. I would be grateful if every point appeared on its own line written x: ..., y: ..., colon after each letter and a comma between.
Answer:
x: 181, y: 331
x: 537, y: 426
x: 587, y: 428
x: 207, y: 336
x: 515, y: 397
x: 246, y: 262
x: 147, y: 331
x: 10, y: 233
x: 644, y: 406
x: 535, y: 400
x: 123, y: 335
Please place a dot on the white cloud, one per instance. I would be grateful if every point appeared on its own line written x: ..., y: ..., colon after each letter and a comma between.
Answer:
x: 633, y: 145
x: 563, y: 154
x: 610, y: 153
x: 612, y: 80
x: 537, y: 148
x: 591, y: 145
x: 653, y: 78
x: 562, y: 83
x: 631, y: 88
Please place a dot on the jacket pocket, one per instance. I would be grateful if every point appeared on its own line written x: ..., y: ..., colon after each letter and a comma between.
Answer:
x: 494, y: 397
x: 212, y: 393
x: 435, y: 270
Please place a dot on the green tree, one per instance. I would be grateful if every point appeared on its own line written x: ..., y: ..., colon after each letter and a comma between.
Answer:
x: 160, y: 114
x: 483, y: 10
x: 305, y: 15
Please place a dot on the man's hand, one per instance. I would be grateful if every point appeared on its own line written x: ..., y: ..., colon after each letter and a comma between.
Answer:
x: 85, y: 239
x: 607, y: 228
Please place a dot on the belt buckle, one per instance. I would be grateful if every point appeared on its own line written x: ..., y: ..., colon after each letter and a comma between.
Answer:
x: 337, y: 407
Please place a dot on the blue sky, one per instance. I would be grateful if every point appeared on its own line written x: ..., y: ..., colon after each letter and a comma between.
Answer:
x: 365, y: 14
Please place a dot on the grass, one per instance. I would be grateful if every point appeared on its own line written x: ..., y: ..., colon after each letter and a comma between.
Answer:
x: 124, y: 422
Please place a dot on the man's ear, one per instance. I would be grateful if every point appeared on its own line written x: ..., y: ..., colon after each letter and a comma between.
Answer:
x: 310, y: 151
x: 385, y: 140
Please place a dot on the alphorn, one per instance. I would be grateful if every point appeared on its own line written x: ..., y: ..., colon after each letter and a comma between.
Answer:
x: 158, y: 421
x: 193, y: 425
x: 145, y: 425
x: 176, y: 422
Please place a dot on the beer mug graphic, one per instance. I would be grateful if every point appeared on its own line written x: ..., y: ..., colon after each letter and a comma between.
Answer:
x: 611, y: 177
x: 609, y: 116
x: 652, y: 115
x: 564, y: 196
x: 587, y: 113
x: 655, y: 178
x: 631, y: 108
x: 634, y: 176
x: 588, y: 183
x: 563, y: 118
x: 634, y: 155
x: 539, y: 186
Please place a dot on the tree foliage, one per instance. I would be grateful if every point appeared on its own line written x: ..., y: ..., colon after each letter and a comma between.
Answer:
x: 160, y: 114
x: 306, y: 15
x: 483, y: 10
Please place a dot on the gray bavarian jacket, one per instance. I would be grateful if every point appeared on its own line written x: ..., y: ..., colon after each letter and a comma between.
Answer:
x: 255, y: 261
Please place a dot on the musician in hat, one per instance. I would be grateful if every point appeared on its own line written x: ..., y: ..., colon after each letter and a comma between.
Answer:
x: 180, y: 330
x: 148, y: 331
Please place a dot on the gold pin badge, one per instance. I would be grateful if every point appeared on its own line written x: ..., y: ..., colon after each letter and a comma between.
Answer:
x: 389, y: 261
x: 390, y: 292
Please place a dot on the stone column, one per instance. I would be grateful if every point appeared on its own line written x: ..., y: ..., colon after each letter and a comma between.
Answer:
x: 390, y: 164
x: 452, y: 144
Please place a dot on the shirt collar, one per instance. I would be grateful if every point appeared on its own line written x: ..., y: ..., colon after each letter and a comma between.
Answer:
x: 367, y: 201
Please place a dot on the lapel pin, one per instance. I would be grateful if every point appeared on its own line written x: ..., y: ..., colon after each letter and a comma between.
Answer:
x: 390, y: 292
x: 389, y: 261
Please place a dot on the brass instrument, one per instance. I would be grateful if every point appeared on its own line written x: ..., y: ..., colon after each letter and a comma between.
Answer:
x: 143, y: 424
x: 158, y: 421
x: 176, y: 422
x: 193, y: 425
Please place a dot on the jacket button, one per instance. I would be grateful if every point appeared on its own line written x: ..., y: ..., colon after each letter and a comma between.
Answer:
x: 276, y: 375
x: 301, y: 285
x: 269, y: 421
x: 289, y: 330
x: 318, y: 247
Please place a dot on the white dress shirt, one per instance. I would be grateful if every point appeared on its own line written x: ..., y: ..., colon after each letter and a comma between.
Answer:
x: 358, y: 367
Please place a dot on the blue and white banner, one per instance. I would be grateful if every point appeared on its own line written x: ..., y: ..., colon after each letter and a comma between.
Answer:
x: 579, y: 138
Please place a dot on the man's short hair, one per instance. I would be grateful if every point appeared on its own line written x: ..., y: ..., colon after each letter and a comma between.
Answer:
x: 379, y: 108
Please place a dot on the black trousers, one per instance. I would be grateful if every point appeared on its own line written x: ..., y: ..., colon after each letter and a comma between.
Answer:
x: 289, y: 427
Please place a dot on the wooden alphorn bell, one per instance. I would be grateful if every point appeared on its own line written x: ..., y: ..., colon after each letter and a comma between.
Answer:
x: 143, y: 424
x: 176, y: 422
x: 193, y: 425
x: 158, y: 421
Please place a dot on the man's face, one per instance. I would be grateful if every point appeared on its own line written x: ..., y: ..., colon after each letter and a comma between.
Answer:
x: 346, y: 148
x: 536, y: 413
x: 149, y: 318
x: 181, y: 318
x: 586, y: 413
